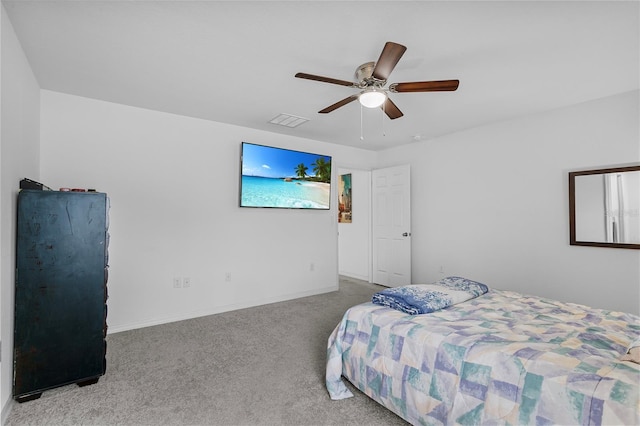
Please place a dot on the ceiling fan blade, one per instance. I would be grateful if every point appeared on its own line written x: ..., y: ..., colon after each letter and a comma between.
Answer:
x: 325, y: 79
x: 339, y: 104
x: 391, y: 109
x: 391, y: 54
x: 425, y: 86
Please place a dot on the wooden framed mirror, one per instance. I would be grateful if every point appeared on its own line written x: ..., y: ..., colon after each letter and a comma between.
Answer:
x: 604, y: 207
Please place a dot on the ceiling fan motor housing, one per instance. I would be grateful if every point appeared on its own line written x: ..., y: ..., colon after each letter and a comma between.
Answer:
x: 365, y: 71
x: 364, y: 76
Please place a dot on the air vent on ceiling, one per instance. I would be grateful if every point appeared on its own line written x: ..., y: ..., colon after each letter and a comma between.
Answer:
x: 288, y: 120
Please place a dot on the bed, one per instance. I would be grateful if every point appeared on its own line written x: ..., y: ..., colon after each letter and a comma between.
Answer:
x: 498, y: 358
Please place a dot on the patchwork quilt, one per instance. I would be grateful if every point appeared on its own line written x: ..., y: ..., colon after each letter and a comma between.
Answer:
x: 501, y: 358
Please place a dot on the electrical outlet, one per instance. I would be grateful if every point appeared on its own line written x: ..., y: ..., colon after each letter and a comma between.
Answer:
x: 227, y: 277
x: 441, y: 270
x: 186, y: 282
x: 177, y: 282
x: 312, y: 267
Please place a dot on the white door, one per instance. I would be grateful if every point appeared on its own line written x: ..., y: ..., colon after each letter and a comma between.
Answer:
x: 391, y: 201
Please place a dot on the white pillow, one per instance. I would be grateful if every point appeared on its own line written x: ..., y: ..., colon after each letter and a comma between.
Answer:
x: 633, y: 353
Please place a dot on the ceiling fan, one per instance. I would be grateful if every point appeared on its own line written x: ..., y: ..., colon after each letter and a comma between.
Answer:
x: 371, y: 78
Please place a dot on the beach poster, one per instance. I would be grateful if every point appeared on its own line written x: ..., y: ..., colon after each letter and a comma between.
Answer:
x: 344, y: 198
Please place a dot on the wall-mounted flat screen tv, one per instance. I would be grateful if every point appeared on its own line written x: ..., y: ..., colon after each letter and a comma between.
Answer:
x: 283, y: 178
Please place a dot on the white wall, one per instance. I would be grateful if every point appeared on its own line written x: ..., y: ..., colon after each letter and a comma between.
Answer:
x: 354, y: 245
x: 491, y: 203
x: 173, y: 183
x: 19, y: 158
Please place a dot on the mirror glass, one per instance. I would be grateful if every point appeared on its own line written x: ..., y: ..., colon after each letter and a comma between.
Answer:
x: 605, y: 207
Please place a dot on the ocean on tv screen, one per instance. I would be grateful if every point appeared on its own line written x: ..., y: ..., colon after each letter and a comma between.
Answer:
x: 284, y: 193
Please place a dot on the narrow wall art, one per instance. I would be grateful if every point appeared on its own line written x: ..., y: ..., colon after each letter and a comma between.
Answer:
x: 344, y: 198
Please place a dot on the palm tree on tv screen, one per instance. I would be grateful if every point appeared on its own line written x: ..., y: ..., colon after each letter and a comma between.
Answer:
x: 301, y: 170
x: 322, y: 169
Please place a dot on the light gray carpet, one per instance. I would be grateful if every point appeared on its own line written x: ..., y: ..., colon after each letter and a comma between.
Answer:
x: 257, y: 366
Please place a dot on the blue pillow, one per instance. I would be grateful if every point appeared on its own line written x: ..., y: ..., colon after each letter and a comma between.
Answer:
x: 426, y: 298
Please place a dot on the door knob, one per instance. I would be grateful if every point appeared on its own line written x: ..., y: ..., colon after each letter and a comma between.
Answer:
x: 406, y: 234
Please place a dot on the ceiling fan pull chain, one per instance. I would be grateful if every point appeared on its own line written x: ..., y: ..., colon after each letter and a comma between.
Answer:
x: 361, y: 135
x: 382, y: 119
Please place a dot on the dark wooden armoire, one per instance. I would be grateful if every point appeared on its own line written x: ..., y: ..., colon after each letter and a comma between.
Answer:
x: 61, y: 290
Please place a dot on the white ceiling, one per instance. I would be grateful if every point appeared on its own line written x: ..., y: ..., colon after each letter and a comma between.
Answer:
x: 234, y: 62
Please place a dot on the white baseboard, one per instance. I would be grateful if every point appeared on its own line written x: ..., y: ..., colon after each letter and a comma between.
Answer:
x: 6, y: 410
x: 217, y: 310
x: 355, y: 275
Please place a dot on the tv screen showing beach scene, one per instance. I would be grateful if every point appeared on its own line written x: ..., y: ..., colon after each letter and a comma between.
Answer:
x: 283, y: 178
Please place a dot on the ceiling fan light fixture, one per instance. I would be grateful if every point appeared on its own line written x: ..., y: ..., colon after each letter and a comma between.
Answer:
x: 372, y: 98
